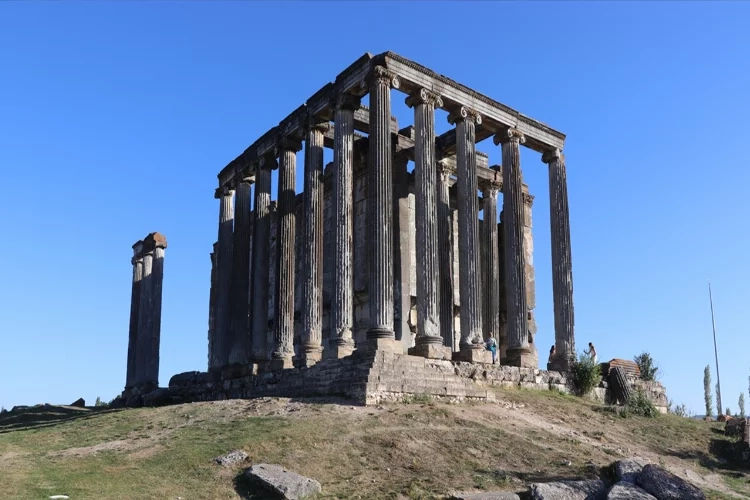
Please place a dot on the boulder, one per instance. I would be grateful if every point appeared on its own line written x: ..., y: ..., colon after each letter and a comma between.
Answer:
x: 281, y: 482
x: 628, y: 491
x: 666, y: 486
x: 735, y: 427
x: 569, y: 490
x: 79, y: 403
x: 231, y: 458
x: 486, y: 495
x: 157, y: 397
x: 629, y: 469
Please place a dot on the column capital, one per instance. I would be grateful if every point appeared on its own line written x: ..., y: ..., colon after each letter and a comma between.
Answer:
x: 424, y: 96
x: 489, y: 187
x: 509, y: 135
x: 224, y: 191
x: 528, y: 199
x: 290, y: 143
x: 445, y: 168
x: 269, y: 161
x: 381, y: 74
x: 551, y: 156
x: 315, y: 123
x: 345, y: 101
x: 464, y: 113
x: 137, y: 248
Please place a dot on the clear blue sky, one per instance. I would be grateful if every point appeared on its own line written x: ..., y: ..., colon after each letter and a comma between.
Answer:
x: 116, y: 117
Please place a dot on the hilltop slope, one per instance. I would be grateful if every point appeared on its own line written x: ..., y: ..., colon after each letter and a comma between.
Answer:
x: 412, y: 450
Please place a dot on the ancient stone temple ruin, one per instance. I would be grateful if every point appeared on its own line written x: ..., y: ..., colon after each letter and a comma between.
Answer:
x: 376, y: 280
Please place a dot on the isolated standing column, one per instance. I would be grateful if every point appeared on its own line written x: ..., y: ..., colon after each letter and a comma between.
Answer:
x: 135, y: 297
x: 153, y: 341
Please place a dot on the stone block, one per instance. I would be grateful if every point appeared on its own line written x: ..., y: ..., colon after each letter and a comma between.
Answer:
x: 308, y: 359
x: 473, y: 356
x: 384, y: 345
x: 519, y: 357
x: 431, y: 351
x: 279, y: 364
x: 338, y: 351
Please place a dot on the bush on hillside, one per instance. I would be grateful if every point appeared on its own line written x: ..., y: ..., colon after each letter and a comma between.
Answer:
x: 639, y: 404
x: 586, y: 374
x: 649, y: 370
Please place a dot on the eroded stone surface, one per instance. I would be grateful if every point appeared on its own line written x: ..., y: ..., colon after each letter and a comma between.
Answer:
x: 629, y: 469
x: 628, y: 491
x: 231, y: 458
x: 569, y: 490
x: 486, y: 495
x: 282, y: 482
x: 666, y: 486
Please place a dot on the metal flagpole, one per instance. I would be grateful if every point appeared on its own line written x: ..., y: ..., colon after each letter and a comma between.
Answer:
x: 716, y: 352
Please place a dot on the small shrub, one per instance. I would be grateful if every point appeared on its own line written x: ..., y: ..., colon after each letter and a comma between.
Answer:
x: 707, y: 397
x: 419, y: 399
x: 639, y: 404
x: 741, y: 404
x: 680, y: 411
x: 649, y: 370
x: 586, y: 374
x: 99, y: 402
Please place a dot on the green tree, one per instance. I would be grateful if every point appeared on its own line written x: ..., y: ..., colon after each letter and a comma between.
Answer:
x: 718, y: 402
x: 707, y: 390
x: 646, y: 364
x: 741, y: 404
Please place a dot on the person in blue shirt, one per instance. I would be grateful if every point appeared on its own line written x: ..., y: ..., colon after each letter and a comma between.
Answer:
x: 491, y: 346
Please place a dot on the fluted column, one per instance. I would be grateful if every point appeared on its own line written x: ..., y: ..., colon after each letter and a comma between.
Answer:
x: 445, y: 254
x: 145, y: 322
x: 466, y: 120
x: 135, y: 297
x: 562, y: 266
x: 283, y: 349
x: 513, y: 211
x: 261, y: 246
x: 312, y: 248
x: 239, y: 350
x: 490, y: 271
x: 212, y: 306
x: 428, y: 269
x: 342, y: 310
x: 222, y: 338
x: 380, y: 208
x: 154, y: 339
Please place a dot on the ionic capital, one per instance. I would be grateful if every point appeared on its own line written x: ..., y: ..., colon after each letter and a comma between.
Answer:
x: 489, y: 187
x: 382, y: 76
x: 290, y: 143
x: 137, y: 248
x: 445, y: 168
x: 346, y: 102
x: 528, y: 199
x: 269, y: 162
x: 551, y: 156
x: 224, y: 191
x: 313, y: 122
x: 464, y: 113
x: 424, y: 96
x: 509, y: 135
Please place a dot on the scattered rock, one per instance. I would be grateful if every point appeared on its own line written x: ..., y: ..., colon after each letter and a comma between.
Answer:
x: 629, y: 469
x: 666, y: 486
x: 59, y: 497
x: 723, y: 418
x: 628, y: 491
x: 231, y: 458
x: 286, y: 484
x: 569, y: 490
x: 156, y: 397
x: 735, y: 427
x: 487, y: 495
x: 80, y: 403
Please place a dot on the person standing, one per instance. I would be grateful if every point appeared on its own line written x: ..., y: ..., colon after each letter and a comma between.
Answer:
x: 591, y: 352
x: 491, y: 345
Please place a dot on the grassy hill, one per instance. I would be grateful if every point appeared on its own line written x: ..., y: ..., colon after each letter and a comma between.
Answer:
x: 418, y: 449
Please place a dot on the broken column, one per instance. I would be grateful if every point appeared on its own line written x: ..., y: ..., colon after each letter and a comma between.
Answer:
x: 429, y: 342
x: 283, y: 349
x: 135, y: 297
x: 518, y: 352
x: 380, y: 212
x: 562, y: 267
x: 471, y: 347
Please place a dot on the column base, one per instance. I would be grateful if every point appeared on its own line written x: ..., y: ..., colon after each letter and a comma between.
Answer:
x: 473, y: 353
x: 560, y: 364
x: 431, y: 351
x: 311, y: 354
x: 338, y: 351
x: 279, y: 364
x: 381, y: 332
x: 383, y: 344
x: 521, y: 357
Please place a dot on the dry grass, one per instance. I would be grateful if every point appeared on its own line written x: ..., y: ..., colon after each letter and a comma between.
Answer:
x: 416, y: 450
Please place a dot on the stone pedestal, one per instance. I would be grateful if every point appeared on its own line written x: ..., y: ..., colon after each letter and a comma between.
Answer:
x: 432, y: 351
x: 382, y: 344
x: 523, y: 357
x: 279, y: 364
x: 473, y: 356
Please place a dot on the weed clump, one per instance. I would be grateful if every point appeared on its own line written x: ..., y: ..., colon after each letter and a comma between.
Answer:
x: 586, y: 374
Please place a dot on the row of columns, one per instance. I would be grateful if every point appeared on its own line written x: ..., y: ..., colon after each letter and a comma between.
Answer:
x: 434, y: 273
x: 145, y: 313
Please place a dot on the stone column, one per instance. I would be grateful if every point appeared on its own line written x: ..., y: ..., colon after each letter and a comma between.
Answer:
x: 261, y: 245
x: 212, y: 307
x: 471, y: 346
x: 340, y: 343
x: 428, y: 270
x: 135, y: 297
x: 445, y: 254
x: 403, y: 234
x: 159, y: 244
x: 312, y: 248
x: 490, y: 271
x: 562, y: 267
x: 144, y: 317
x: 239, y: 349
x: 283, y: 348
x: 518, y: 352
x: 222, y: 338
x: 380, y: 212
